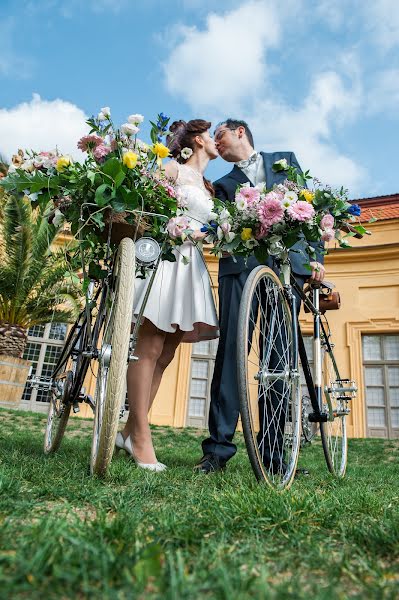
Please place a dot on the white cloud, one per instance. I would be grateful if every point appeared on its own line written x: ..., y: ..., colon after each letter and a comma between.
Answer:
x: 223, y: 70
x: 225, y: 62
x: 42, y: 125
x: 382, y: 18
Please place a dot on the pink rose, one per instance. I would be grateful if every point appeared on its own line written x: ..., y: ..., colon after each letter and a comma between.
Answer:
x: 327, y: 222
x: 225, y: 227
x: 328, y: 234
x: 261, y: 232
x: 176, y: 226
x: 301, y: 211
x: 100, y: 151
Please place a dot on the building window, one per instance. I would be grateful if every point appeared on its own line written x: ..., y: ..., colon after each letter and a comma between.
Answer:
x: 202, y: 365
x: 381, y: 380
x: 45, y: 343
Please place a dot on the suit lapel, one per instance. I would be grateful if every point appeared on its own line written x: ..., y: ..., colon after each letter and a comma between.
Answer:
x: 239, y: 175
x: 270, y: 174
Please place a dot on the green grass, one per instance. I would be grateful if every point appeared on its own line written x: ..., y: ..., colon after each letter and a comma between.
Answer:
x: 177, y: 535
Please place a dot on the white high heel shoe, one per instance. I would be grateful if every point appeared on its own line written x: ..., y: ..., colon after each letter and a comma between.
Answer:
x: 121, y: 444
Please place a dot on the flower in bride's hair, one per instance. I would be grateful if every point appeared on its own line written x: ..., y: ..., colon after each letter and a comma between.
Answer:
x: 186, y: 153
x: 129, y: 129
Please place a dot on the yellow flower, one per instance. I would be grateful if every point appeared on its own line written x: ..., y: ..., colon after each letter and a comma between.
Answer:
x: 246, y: 234
x: 160, y: 150
x: 307, y: 195
x: 62, y: 162
x: 130, y: 159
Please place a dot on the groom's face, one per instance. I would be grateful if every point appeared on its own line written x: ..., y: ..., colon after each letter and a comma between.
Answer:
x: 229, y: 142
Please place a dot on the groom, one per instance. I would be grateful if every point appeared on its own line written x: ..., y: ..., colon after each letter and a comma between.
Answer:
x: 234, y: 143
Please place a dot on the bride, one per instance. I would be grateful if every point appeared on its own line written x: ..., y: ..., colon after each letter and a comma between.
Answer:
x: 180, y: 307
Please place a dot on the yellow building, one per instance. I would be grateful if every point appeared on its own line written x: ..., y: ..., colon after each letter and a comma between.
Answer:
x: 365, y: 329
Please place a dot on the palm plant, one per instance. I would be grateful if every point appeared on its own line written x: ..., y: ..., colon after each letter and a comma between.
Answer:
x: 33, y: 288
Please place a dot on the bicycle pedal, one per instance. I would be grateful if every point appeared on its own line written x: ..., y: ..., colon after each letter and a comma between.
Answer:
x: 76, y: 408
x: 315, y: 417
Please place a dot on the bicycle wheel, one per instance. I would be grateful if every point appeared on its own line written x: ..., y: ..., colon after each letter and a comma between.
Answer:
x: 113, y: 357
x: 63, y: 383
x: 268, y: 379
x: 335, y: 404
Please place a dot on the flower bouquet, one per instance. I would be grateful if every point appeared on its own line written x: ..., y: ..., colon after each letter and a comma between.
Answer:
x: 119, y: 188
x: 268, y: 222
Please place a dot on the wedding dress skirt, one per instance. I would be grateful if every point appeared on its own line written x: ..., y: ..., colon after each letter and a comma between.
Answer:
x: 181, y: 295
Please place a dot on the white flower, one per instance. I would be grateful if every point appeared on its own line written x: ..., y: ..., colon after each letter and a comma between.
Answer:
x: 261, y: 187
x: 289, y: 198
x: 58, y: 218
x: 230, y: 237
x: 142, y: 146
x: 224, y: 215
x: 212, y: 216
x: 101, y: 117
x: 135, y: 119
x: 182, y: 199
x: 106, y: 111
x: 186, y: 153
x: 241, y: 203
x: 220, y: 233
x: 281, y: 163
x: 129, y: 129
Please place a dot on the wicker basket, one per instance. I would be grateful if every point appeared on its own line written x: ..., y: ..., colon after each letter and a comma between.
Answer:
x: 121, y: 228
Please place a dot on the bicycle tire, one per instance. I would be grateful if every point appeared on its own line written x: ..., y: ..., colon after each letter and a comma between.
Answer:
x: 113, y: 358
x: 68, y: 372
x: 333, y: 433
x: 273, y: 448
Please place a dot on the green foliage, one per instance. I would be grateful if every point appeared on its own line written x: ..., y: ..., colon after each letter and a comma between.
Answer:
x: 33, y: 287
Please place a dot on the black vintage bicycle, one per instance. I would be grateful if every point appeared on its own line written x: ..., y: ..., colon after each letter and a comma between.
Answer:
x: 103, y: 341
x: 269, y: 348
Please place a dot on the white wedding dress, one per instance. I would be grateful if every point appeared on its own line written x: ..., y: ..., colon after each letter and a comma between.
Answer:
x: 181, y: 295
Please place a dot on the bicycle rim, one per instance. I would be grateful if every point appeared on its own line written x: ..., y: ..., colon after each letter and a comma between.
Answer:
x: 268, y: 379
x: 333, y: 432
x: 113, y: 358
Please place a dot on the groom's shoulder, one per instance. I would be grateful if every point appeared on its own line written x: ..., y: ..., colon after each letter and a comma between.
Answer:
x: 225, y: 180
x: 278, y: 155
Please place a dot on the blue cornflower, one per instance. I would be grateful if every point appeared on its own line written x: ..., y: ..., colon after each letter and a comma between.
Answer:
x: 354, y: 210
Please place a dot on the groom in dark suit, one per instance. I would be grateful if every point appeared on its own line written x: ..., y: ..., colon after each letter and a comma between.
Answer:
x: 234, y: 143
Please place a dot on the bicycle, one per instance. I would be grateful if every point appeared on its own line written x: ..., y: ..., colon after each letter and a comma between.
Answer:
x: 269, y: 344
x: 100, y: 339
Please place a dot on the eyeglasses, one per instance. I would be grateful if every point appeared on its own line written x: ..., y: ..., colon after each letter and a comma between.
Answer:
x: 221, y: 132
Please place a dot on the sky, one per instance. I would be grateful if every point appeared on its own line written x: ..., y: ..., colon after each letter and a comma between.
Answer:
x: 316, y: 77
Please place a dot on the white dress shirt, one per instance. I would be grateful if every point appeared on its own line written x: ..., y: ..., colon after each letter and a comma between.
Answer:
x: 255, y: 170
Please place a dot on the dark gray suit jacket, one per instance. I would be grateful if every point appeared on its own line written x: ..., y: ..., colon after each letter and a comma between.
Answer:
x: 225, y: 189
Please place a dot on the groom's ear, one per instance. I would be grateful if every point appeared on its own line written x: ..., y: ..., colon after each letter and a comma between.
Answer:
x: 240, y: 131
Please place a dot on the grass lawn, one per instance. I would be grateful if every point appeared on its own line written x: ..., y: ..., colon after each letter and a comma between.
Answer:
x: 178, y: 534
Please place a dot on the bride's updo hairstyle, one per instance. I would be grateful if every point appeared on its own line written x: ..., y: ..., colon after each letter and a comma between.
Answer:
x: 182, y: 136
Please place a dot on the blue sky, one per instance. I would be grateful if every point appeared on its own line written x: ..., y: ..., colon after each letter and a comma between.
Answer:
x: 319, y: 78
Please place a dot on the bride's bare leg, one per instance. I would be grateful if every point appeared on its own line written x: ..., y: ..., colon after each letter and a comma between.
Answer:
x: 172, y: 341
x: 140, y: 376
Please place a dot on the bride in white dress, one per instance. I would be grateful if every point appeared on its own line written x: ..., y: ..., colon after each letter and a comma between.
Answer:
x: 180, y: 307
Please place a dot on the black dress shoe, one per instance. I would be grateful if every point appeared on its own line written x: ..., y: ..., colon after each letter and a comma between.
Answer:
x: 210, y: 463
x: 300, y: 472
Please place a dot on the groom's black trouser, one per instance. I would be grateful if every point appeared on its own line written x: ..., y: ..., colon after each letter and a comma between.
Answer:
x: 225, y: 404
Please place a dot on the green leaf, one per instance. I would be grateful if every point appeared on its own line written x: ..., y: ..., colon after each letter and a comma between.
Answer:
x: 112, y: 167
x: 119, y: 178
x: 104, y: 194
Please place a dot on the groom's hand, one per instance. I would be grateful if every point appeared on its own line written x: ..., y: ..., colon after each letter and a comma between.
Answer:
x: 318, y: 272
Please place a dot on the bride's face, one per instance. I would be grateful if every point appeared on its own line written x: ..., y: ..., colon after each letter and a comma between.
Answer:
x: 209, y: 145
